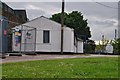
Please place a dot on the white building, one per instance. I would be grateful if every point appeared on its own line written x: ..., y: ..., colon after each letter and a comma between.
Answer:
x: 109, y: 48
x: 48, y: 37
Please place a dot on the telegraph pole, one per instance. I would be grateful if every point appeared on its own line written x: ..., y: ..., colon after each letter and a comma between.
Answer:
x: 103, y: 38
x: 62, y: 26
x: 115, y: 33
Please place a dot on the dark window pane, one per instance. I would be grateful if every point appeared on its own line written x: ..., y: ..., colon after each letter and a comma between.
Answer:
x: 46, y: 36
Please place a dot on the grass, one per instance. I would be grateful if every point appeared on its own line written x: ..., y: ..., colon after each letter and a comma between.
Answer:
x: 63, y: 68
x: 0, y: 71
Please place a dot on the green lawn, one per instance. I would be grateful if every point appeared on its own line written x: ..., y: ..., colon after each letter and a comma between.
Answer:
x: 63, y: 68
x: 0, y: 71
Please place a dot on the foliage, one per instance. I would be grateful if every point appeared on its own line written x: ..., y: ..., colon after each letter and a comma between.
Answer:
x: 64, y: 68
x: 76, y: 21
x: 90, y: 46
x: 105, y: 42
x: 116, y: 45
x: 98, y: 47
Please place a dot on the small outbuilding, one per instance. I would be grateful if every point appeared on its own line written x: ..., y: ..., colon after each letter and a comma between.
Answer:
x: 44, y: 35
x: 109, y: 48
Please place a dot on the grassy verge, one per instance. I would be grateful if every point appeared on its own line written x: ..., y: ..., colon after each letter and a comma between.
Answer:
x: 63, y: 68
x: 0, y: 70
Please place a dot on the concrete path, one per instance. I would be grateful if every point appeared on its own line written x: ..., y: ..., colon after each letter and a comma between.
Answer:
x: 47, y: 57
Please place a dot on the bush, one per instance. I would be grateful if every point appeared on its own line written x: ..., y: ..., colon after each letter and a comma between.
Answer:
x: 88, y: 48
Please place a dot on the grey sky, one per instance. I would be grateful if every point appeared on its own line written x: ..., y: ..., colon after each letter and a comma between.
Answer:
x: 102, y: 20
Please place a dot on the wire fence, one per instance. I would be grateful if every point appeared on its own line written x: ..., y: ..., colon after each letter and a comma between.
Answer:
x: 24, y: 39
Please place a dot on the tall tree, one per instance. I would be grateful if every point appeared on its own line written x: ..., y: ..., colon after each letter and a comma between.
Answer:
x: 76, y: 21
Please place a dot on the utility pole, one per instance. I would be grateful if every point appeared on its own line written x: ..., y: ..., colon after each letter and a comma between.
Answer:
x: 115, y: 33
x: 103, y: 39
x: 62, y: 26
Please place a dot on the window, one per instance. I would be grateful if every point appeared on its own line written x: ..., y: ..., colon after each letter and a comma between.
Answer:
x: 46, y: 36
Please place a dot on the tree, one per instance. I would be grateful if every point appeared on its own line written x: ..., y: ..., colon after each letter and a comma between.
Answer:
x: 116, y: 45
x: 76, y: 21
x: 119, y: 45
x: 90, y: 46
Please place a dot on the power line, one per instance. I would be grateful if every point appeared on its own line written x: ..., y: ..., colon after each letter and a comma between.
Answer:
x: 105, y: 5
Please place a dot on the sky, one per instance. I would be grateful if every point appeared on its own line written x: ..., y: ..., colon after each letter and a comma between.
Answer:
x: 102, y: 20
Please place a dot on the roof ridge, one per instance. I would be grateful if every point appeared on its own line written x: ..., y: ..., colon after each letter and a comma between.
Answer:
x: 46, y: 18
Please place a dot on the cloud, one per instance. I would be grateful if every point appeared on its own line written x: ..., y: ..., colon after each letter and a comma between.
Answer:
x: 102, y: 20
x: 44, y: 8
x: 32, y: 7
x: 48, y: 9
x: 32, y: 14
x: 102, y: 26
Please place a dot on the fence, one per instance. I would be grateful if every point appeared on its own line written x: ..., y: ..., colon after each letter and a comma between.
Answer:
x: 24, y: 39
x: 21, y: 38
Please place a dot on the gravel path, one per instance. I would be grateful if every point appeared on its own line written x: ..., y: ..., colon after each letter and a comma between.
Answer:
x: 46, y: 57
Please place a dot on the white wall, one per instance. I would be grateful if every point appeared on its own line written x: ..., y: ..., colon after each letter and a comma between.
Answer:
x: 68, y: 42
x: 80, y: 47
